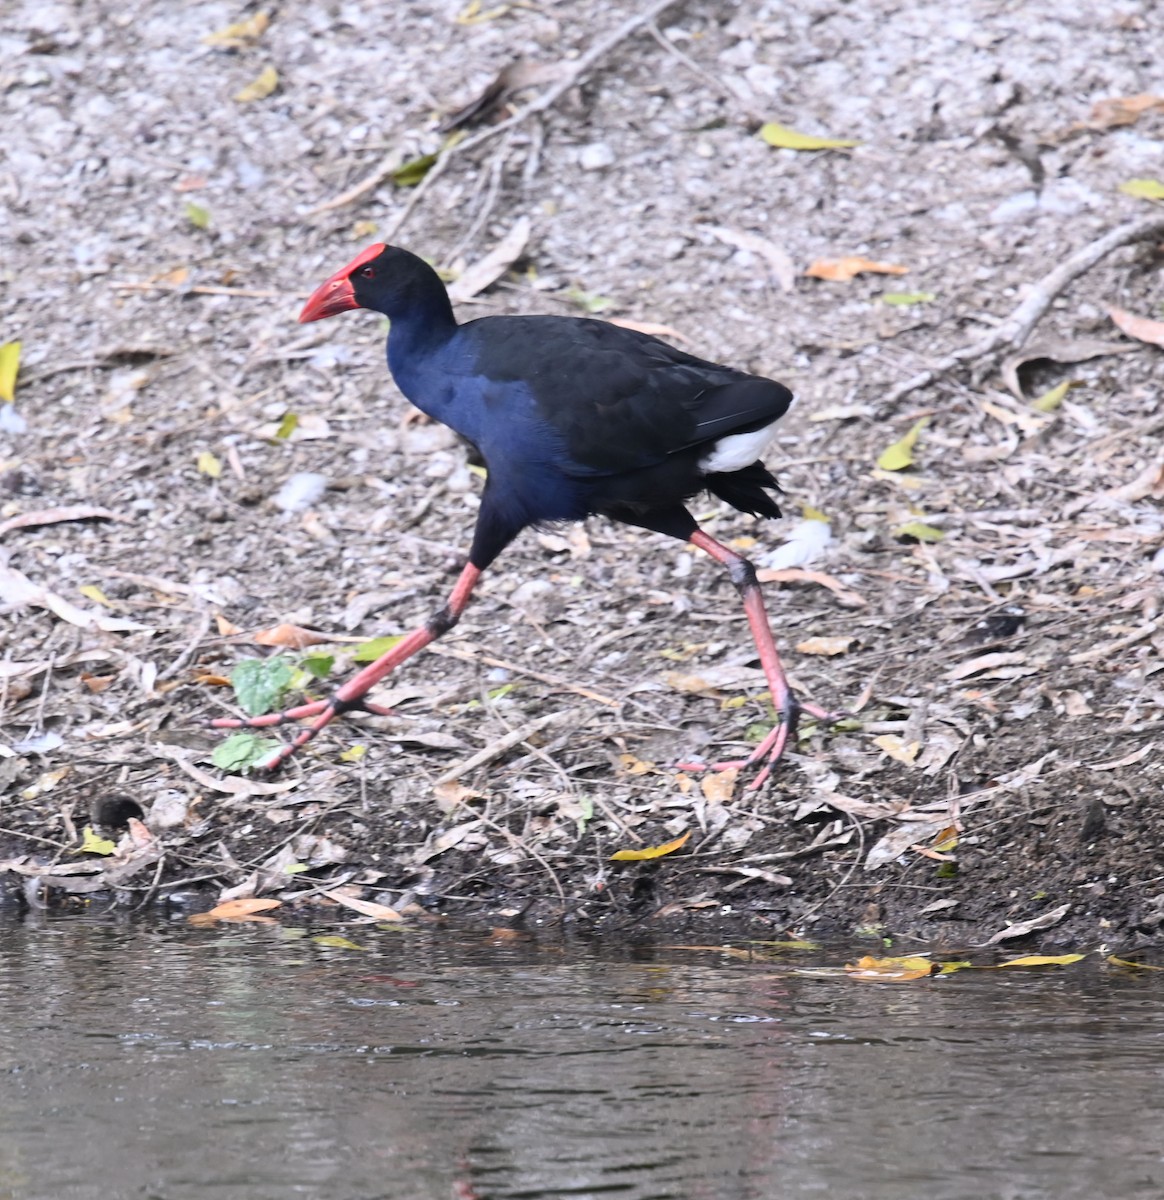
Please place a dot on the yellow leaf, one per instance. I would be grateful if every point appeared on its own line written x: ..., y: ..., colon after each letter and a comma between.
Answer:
x: 650, y: 851
x: 919, y: 531
x: 784, y: 138
x: 409, y: 174
x: 906, y: 299
x: 1042, y: 960
x: 889, y: 970
x: 209, y: 465
x: 946, y: 839
x: 353, y: 753
x: 826, y: 645
x: 1143, y: 189
x: 92, y: 592
x: 240, y: 34
x: 198, y: 216
x: 900, y: 455
x: 1127, y: 962
x: 813, y: 514
x: 948, y: 968
x: 897, y: 749
x: 841, y: 270
x: 1049, y: 401
x: 260, y: 87
x: 92, y: 844
x: 336, y: 943
x: 635, y: 766
x: 9, y: 365
x: 471, y: 14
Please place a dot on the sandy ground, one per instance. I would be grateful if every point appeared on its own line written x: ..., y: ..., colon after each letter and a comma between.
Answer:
x: 158, y: 236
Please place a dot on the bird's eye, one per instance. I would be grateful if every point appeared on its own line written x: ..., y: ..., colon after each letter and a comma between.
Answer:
x: 367, y: 273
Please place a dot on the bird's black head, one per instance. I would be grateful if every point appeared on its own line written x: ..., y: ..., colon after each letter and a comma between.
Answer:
x: 383, y: 278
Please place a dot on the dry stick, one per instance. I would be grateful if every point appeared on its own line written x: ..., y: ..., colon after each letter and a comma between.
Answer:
x: 500, y: 746
x: 209, y: 290
x: 1013, y: 332
x: 574, y: 72
x: 717, y: 85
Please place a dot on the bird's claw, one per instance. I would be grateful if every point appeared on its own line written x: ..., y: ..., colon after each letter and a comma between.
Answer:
x: 772, y: 748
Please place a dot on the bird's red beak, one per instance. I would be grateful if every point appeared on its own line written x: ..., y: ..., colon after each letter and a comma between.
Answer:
x: 337, y: 295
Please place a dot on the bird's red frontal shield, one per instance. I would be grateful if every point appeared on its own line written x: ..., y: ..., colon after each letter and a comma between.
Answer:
x: 337, y: 295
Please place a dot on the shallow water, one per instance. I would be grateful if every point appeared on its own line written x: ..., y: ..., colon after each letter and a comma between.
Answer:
x: 251, y: 1063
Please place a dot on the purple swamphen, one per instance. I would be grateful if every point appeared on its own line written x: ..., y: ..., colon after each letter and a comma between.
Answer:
x: 572, y: 417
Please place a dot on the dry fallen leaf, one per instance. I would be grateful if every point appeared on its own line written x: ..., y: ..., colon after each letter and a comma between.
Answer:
x: 845, y: 596
x: 1140, y: 328
x: 827, y: 646
x: 889, y: 970
x: 368, y: 908
x: 651, y: 851
x: 293, y: 637
x: 784, y: 138
x: 779, y: 263
x: 488, y: 270
x: 841, y: 270
x: 233, y: 909
x: 18, y: 590
x: 52, y: 516
x: 717, y: 786
x: 899, y: 751
x: 260, y: 87
x: 9, y: 365
x: 1022, y: 928
x: 1043, y: 960
x: 651, y: 329
x: 1115, y: 111
x: 240, y: 34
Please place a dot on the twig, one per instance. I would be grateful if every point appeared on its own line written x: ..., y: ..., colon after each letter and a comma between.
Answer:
x: 500, y: 746
x: 541, y: 676
x: 208, y: 290
x: 717, y: 85
x: 573, y: 73
x: 1015, y: 330
x: 190, y: 649
x: 496, y: 170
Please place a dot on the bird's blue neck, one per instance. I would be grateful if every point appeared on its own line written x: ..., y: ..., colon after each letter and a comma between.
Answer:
x: 418, y: 346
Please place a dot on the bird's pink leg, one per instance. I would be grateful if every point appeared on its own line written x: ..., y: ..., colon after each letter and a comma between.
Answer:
x: 788, y: 707
x: 350, y: 696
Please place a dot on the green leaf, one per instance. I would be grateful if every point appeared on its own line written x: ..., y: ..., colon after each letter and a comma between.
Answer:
x: 919, y: 531
x: 409, y: 174
x: 259, y: 683
x: 318, y: 665
x: 590, y: 301
x: 1049, y: 401
x: 198, y: 216
x: 905, y: 299
x: 1143, y: 189
x: 784, y: 138
x: 336, y: 942
x: 287, y: 426
x: 296, y: 868
x: 373, y: 648
x: 9, y: 365
x: 900, y: 455
x: 241, y: 751
x: 91, y: 843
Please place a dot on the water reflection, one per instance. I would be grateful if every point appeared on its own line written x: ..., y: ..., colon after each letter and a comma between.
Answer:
x: 171, y: 1062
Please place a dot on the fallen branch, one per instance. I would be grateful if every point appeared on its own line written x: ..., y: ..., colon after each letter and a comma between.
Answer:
x: 1015, y: 330
x: 574, y: 72
x: 495, y: 749
x: 200, y: 289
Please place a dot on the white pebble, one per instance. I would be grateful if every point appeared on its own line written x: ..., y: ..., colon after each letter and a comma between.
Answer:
x: 301, y: 491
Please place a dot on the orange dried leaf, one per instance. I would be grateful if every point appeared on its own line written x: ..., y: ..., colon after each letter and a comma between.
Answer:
x: 210, y: 679
x: 233, y: 910
x: 651, y: 851
x: 841, y: 270
x: 1140, y: 328
x: 225, y: 628
x: 293, y: 637
x: 827, y: 646
x: 651, y: 328
x: 889, y: 970
x: 719, y: 785
x: 1122, y: 110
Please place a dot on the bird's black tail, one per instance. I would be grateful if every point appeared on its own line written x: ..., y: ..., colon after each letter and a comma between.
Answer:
x: 746, y: 489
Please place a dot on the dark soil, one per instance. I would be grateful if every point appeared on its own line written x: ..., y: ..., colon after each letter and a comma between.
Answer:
x: 1008, y: 787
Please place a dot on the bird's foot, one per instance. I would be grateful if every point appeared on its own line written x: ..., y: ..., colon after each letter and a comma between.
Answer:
x: 324, y: 712
x: 771, y: 749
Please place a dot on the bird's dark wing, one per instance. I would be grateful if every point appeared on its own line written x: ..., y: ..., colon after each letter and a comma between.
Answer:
x: 620, y: 400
